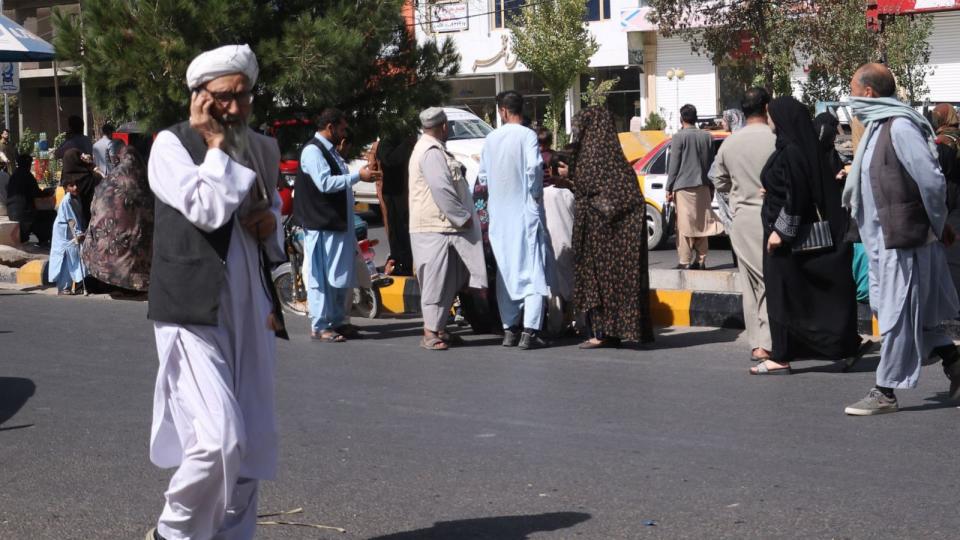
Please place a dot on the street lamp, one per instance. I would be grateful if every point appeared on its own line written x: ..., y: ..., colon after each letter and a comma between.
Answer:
x: 676, y: 74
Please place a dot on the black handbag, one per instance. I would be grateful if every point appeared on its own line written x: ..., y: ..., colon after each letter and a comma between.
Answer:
x: 814, y: 237
x: 669, y: 218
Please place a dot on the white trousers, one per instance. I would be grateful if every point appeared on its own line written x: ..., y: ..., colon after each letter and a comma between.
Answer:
x: 206, y: 499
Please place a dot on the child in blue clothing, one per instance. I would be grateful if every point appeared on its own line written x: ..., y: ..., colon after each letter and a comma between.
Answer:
x: 65, y: 267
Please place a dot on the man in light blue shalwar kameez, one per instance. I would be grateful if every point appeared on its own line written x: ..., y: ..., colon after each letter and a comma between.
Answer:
x: 512, y: 168
x: 329, y: 252
x: 911, y: 291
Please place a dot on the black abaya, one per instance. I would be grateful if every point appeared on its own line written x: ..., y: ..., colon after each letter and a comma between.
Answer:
x: 811, y: 297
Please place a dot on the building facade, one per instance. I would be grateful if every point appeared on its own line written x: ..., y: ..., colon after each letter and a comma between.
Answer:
x: 632, y: 50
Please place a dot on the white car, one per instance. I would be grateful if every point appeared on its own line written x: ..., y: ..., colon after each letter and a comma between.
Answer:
x: 467, y: 134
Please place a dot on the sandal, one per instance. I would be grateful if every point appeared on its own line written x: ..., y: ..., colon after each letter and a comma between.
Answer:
x: 762, y: 369
x: 605, y: 343
x: 433, y: 344
x: 328, y: 337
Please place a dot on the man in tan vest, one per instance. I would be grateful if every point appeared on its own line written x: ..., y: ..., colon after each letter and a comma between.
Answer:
x: 444, y: 232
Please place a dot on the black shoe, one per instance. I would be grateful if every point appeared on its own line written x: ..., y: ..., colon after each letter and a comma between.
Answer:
x: 697, y: 266
x: 531, y: 341
x: 951, y: 367
x: 510, y: 338
x: 682, y: 267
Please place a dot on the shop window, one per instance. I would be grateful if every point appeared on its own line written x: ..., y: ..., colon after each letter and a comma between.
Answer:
x: 506, y: 11
x: 598, y: 10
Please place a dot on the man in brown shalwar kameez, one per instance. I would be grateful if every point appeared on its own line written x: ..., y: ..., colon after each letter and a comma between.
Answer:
x: 691, y: 152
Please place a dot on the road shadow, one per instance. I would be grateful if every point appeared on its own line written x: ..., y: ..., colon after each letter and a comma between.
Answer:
x: 670, y: 339
x: 14, y: 393
x: 403, y: 328
x: 867, y: 364
x: 492, y: 528
x: 940, y: 401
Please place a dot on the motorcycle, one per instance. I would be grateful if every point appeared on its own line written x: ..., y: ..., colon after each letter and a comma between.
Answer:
x: 288, y: 277
x: 292, y: 288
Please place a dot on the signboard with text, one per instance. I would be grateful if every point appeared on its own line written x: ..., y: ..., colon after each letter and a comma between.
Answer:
x: 450, y: 17
x: 10, y: 78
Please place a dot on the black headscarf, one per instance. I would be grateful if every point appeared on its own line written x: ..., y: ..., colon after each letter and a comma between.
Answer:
x: 826, y: 124
x: 794, y: 127
x: 799, y: 151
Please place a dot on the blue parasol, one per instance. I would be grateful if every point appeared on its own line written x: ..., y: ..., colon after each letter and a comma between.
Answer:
x: 17, y: 44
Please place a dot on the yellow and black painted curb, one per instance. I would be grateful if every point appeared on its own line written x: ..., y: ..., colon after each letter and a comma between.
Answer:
x: 32, y: 273
x: 401, y: 296
x: 667, y: 307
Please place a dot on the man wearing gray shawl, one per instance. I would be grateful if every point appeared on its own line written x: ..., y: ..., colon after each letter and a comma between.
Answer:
x: 444, y: 232
x: 897, y: 195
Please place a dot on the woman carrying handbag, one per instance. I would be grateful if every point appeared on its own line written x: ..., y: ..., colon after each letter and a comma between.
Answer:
x: 811, y: 296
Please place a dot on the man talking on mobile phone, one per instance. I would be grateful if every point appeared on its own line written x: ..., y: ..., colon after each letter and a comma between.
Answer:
x: 214, y: 317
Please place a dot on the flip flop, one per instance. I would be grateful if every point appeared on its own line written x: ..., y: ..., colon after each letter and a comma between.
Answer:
x: 331, y: 337
x: 606, y: 343
x: 433, y: 344
x: 762, y: 369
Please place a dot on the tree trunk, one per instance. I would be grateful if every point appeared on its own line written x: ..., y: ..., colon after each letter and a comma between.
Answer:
x: 557, y: 102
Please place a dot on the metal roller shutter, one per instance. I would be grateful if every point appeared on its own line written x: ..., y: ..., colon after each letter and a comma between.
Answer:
x: 699, y: 87
x: 944, y: 84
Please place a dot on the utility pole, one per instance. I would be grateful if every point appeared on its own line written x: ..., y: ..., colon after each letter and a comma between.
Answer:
x: 6, y: 98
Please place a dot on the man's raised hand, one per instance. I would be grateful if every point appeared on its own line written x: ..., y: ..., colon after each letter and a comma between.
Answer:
x: 202, y: 119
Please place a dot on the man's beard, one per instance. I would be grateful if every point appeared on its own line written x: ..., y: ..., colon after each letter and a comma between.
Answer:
x: 236, y: 141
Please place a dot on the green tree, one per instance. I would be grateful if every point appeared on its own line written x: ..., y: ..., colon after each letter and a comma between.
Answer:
x: 838, y: 42
x: 551, y: 39
x: 905, y: 42
x: 597, y: 91
x: 354, y: 54
x: 755, y: 39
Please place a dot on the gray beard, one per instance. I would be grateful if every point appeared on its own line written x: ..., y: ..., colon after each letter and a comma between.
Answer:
x: 236, y: 142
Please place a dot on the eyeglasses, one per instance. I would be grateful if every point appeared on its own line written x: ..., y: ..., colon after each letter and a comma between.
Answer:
x: 225, y: 98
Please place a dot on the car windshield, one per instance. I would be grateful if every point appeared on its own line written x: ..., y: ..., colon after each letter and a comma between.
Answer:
x: 468, y: 129
x: 292, y: 137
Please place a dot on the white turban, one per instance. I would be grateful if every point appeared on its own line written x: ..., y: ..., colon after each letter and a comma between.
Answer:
x: 226, y: 60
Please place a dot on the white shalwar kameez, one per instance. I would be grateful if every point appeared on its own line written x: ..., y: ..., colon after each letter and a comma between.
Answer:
x: 213, y: 412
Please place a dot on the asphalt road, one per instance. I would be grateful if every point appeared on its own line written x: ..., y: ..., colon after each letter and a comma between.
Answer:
x: 392, y: 442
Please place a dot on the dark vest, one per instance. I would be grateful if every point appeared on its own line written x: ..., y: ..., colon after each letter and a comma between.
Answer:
x: 189, y: 265
x: 314, y: 209
x: 900, y: 209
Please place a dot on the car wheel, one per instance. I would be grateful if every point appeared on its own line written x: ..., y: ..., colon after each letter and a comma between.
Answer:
x: 656, y: 236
